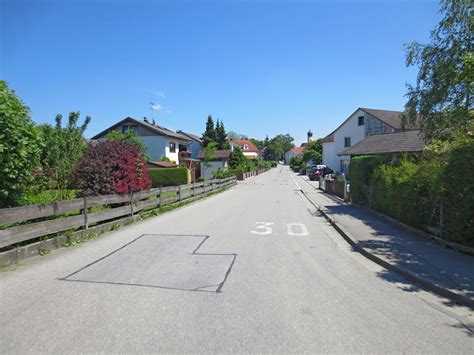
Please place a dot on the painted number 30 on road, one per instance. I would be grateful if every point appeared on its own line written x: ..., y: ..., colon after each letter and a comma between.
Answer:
x: 293, y: 229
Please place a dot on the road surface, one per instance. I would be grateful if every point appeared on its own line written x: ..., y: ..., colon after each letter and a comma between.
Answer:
x: 253, y: 269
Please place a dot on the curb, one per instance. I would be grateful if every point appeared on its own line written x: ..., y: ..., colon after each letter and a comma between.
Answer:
x: 466, y: 301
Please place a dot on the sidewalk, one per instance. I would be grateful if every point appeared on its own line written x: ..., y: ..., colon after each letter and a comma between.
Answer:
x: 408, y: 252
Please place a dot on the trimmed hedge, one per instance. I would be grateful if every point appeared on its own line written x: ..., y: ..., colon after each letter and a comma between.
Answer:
x: 360, y: 173
x: 437, y: 187
x: 458, y: 194
x: 168, y: 176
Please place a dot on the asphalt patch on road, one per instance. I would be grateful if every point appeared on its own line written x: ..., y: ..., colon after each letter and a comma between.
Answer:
x: 161, y: 261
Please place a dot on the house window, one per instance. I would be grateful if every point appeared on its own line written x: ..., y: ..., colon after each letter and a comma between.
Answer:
x: 347, y: 142
x: 125, y: 129
x: 172, y: 147
x: 245, y: 147
x: 361, y: 120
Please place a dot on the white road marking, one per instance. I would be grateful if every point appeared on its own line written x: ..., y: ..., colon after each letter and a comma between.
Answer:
x: 295, y: 181
x: 291, y: 229
x: 265, y: 226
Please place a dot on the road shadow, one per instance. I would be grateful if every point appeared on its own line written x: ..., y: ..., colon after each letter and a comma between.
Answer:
x: 408, y: 251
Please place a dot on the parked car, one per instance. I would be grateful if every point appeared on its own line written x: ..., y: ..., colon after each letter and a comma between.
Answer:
x: 319, y: 170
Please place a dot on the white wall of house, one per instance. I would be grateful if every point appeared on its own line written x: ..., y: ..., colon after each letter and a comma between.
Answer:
x: 329, y: 155
x: 250, y: 155
x: 159, y: 146
x: 350, y: 129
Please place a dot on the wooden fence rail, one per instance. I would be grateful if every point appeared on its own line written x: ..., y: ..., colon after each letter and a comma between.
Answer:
x: 82, y: 214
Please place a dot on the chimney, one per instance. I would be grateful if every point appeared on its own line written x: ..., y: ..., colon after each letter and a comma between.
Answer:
x: 144, y: 119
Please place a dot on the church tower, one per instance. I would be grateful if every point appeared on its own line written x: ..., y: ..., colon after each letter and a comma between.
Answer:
x: 310, y: 136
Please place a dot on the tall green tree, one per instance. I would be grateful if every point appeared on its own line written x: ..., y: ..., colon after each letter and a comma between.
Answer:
x: 313, y: 152
x: 64, y: 146
x: 442, y: 97
x: 209, y: 134
x: 221, y: 135
x: 258, y: 143
x: 20, y: 147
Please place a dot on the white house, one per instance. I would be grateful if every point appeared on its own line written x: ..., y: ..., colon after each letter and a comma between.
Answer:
x: 159, y: 141
x: 249, y: 150
x: 362, y: 123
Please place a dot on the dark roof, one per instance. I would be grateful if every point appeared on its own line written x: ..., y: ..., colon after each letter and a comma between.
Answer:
x: 155, y: 128
x: 163, y: 164
x: 398, y: 142
x: 392, y: 118
x: 220, y: 154
x: 191, y: 136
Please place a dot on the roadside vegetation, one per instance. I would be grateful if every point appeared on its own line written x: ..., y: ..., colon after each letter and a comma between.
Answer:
x: 435, y: 189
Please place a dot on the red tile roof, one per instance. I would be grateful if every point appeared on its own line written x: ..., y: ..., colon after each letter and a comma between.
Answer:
x: 242, y: 142
x: 298, y: 150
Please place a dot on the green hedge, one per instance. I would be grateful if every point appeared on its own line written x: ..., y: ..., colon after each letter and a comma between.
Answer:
x: 168, y: 176
x: 360, y: 173
x: 458, y: 194
x: 414, y: 191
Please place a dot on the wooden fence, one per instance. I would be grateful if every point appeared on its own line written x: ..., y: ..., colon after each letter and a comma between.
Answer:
x: 35, y: 221
x: 248, y: 174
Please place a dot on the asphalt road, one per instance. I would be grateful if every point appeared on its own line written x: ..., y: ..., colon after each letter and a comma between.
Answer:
x: 253, y: 269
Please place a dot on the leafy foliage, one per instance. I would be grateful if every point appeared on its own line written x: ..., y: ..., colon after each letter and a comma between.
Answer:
x: 296, y: 163
x: 276, y: 147
x: 131, y: 138
x: 20, y: 147
x: 237, y: 158
x: 168, y: 176
x: 313, y: 152
x: 63, y: 147
x: 443, y: 93
x: 111, y: 167
x: 437, y: 188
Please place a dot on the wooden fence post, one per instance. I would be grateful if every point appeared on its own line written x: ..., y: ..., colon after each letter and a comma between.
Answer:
x: 159, y: 197
x: 131, y: 203
x: 180, y: 193
x: 86, y: 222
x: 193, y: 188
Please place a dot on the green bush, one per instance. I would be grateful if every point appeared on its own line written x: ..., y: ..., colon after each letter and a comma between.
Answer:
x: 45, y: 197
x: 458, y: 194
x: 360, y: 173
x: 222, y: 174
x: 396, y: 191
x: 168, y: 176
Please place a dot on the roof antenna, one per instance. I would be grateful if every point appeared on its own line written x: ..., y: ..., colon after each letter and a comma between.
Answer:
x: 152, y: 113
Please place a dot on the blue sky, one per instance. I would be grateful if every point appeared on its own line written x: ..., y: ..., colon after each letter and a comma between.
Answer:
x: 263, y: 67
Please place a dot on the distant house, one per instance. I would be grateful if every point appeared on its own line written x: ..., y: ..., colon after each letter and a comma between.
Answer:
x: 219, y: 161
x: 159, y: 141
x: 249, y: 150
x: 362, y: 123
x: 294, y: 152
x: 298, y: 151
x: 194, y: 143
x: 409, y: 142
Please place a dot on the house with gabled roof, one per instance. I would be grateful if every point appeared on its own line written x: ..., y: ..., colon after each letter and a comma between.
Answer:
x: 159, y: 141
x: 249, y: 150
x: 194, y: 143
x: 362, y: 123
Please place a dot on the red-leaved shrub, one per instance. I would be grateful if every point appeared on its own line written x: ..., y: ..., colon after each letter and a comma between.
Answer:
x: 111, y: 167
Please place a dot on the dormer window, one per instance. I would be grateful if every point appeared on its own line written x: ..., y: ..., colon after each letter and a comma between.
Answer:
x: 245, y: 147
